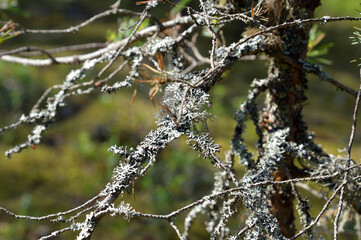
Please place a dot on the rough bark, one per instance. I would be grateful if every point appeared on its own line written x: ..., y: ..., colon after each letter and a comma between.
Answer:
x: 285, y: 98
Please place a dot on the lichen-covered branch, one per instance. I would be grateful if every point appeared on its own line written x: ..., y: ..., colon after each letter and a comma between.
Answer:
x: 262, y: 184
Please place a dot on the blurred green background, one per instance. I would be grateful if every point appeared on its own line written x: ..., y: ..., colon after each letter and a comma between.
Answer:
x: 73, y: 164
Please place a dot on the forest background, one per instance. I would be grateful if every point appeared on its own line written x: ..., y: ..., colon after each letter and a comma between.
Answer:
x: 73, y: 163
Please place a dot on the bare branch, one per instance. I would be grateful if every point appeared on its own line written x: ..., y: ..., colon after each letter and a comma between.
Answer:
x: 77, y: 47
x: 55, y: 216
x: 113, y: 46
x: 79, y: 26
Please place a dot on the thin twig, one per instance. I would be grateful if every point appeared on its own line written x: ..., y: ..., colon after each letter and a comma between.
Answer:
x: 317, y: 70
x: 214, y: 35
x: 43, y: 96
x: 29, y: 49
x: 55, y: 215
x: 55, y: 233
x: 196, y: 52
x: 314, y: 222
x: 225, y: 168
x: 176, y: 229
x: 352, y: 136
x: 324, y: 19
x: 121, y: 66
x: 311, y: 190
x: 179, y: 116
x: 76, y: 47
x: 302, y: 208
x: 245, y: 229
x: 245, y: 187
x: 78, y: 214
x: 88, y: 56
x: 76, y: 27
x: 128, y: 40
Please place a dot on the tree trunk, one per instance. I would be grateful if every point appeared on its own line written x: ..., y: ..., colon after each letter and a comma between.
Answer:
x: 285, y: 97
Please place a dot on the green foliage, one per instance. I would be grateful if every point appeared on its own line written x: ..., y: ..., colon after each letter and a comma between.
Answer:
x: 315, y: 51
x: 356, y: 39
x: 6, y: 30
x: 9, y: 6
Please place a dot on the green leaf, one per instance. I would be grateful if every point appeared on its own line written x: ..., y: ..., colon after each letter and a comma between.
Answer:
x: 314, y: 50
